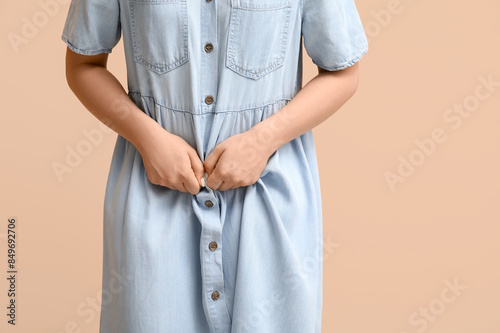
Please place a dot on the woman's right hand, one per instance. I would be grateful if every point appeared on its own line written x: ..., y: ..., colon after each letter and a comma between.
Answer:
x: 170, y: 161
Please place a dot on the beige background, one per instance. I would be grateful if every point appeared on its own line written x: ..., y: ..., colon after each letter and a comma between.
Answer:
x: 391, y: 252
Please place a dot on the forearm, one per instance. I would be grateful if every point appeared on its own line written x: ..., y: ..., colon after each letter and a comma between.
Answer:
x: 103, y: 95
x: 314, y: 103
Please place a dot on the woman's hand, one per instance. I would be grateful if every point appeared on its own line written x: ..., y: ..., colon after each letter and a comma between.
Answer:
x: 170, y: 161
x: 237, y: 161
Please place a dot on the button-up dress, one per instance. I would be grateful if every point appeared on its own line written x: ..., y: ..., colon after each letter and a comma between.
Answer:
x: 247, y: 259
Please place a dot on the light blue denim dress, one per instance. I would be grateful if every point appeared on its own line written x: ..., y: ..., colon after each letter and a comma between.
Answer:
x: 243, y: 260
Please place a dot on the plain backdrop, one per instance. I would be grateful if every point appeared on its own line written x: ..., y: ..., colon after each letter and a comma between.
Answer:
x: 409, y: 175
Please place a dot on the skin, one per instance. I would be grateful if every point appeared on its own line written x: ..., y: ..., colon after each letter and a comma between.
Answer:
x: 237, y: 161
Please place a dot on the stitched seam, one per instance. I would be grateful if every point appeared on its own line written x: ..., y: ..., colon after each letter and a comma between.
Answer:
x: 83, y: 51
x: 344, y: 64
x: 250, y: 109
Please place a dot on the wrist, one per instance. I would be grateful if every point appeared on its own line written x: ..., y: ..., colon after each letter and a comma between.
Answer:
x: 265, y: 139
x: 145, y: 131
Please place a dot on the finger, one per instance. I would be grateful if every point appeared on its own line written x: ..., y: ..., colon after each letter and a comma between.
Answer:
x: 223, y: 186
x: 192, y: 186
x: 212, y: 159
x: 214, y: 180
x: 180, y: 187
x: 190, y: 183
x: 197, y: 166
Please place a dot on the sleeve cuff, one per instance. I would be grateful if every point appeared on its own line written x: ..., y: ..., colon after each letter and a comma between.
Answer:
x: 344, y: 64
x: 84, y: 51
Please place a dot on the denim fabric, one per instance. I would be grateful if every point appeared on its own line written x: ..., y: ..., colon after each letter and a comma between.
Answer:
x: 266, y: 254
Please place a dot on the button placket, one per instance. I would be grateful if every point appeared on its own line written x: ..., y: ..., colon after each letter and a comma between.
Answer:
x: 206, y: 208
x: 206, y: 203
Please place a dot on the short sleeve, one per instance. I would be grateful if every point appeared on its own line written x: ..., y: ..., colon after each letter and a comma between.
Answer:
x: 92, y: 26
x: 334, y: 36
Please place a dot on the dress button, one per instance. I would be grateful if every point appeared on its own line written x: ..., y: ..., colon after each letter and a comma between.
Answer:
x: 215, y: 295
x: 209, y: 47
x: 209, y: 99
x: 209, y: 203
x: 212, y: 246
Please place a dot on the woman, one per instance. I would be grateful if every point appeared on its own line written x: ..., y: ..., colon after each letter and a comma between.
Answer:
x: 212, y: 212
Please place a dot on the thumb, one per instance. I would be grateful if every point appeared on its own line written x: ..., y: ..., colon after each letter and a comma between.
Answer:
x: 197, y: 166
x: 212, y: 159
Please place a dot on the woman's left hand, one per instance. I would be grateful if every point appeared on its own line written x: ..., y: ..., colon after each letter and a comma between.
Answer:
x: 237, y: 161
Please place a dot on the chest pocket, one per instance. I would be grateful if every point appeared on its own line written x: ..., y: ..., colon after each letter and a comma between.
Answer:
x: 257, y: 36
x: 160, y: 33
